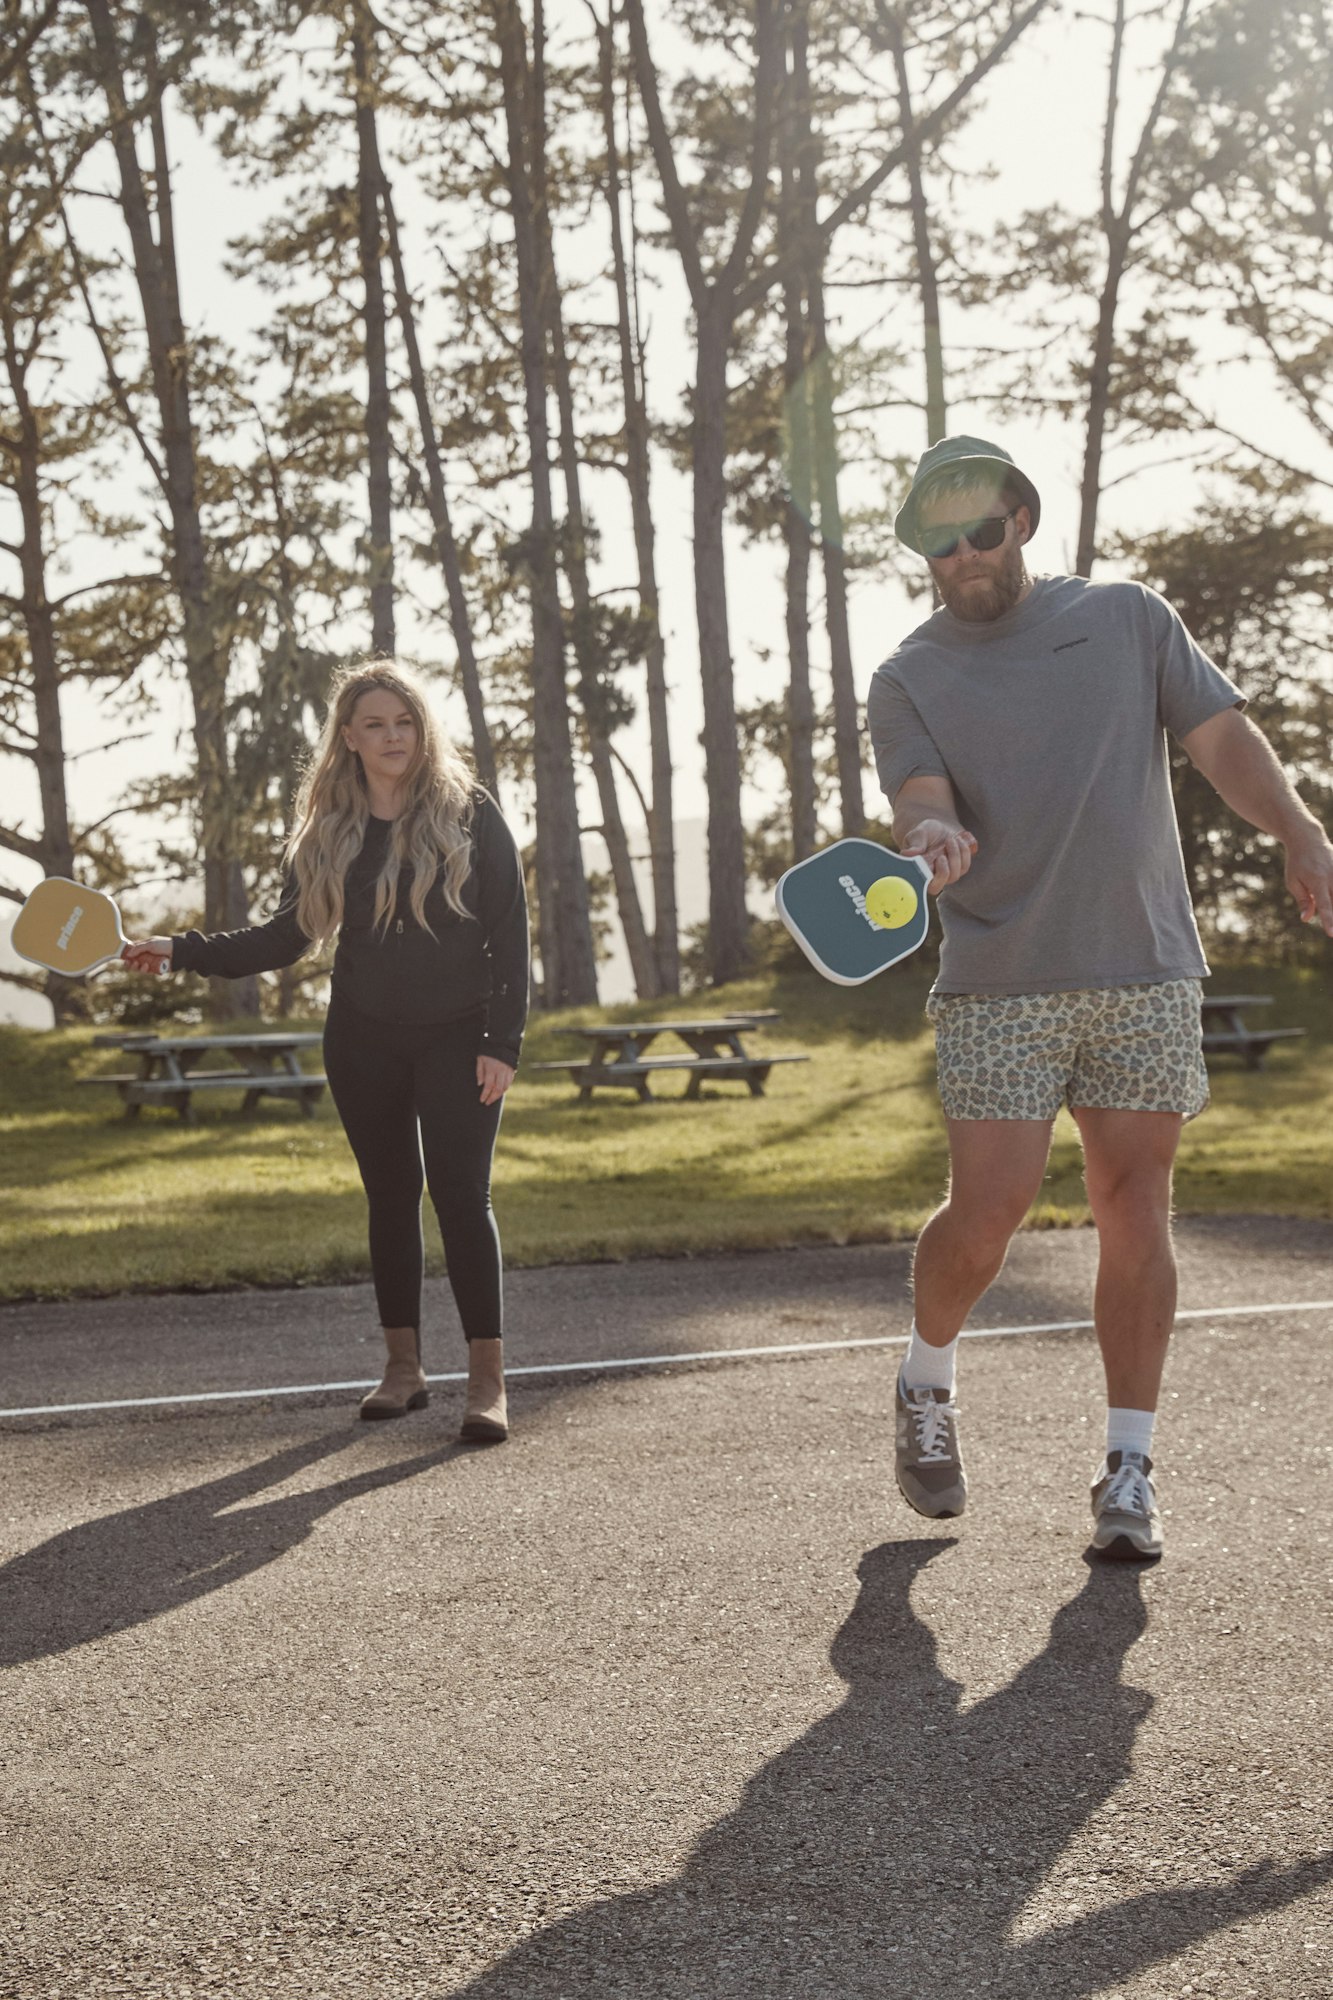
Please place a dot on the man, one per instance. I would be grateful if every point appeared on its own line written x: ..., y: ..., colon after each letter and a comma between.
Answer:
x: 1019, y: 736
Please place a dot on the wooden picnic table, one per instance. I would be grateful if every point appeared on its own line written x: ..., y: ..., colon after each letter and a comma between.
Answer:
x: 715, y: 1048
x: 1225, y: 1031
x: 264, y: 1065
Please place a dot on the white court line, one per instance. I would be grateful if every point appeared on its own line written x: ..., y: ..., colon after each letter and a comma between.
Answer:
x: 601, y: 1367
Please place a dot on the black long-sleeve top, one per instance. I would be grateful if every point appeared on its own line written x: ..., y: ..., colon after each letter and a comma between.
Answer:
x: 403, y: 974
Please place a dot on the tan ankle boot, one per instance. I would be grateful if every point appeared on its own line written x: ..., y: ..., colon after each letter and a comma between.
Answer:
x: 404, y: 1385
x: 485, y: 1414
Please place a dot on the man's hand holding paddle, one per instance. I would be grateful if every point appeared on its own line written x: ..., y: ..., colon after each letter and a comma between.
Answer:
x: 926, y: 823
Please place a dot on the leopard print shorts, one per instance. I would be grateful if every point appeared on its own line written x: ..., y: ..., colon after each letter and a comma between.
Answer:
x: 1114, y: 1048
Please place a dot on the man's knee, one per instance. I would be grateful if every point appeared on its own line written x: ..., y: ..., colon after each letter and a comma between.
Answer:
x: 982, y: 1222
x: 1132, y: 1199
x: 1127, y: 1162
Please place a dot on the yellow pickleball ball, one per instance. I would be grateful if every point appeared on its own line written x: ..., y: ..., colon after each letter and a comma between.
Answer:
x: 891, y: 902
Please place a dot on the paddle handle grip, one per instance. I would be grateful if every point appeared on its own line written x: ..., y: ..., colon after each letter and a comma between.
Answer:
x: 163, y: 966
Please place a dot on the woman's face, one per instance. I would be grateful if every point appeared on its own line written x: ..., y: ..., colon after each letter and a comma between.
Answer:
x: 383, y: 732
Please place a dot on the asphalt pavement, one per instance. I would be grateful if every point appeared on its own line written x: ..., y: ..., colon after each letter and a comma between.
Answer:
x: 669, y: 1698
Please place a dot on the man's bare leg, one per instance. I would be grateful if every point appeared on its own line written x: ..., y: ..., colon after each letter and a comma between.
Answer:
x: 995, y: 1169
x: 996, y: 1166
x: 1128, y: 1156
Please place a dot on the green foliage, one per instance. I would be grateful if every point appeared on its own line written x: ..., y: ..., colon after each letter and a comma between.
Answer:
x: 1252, y: 576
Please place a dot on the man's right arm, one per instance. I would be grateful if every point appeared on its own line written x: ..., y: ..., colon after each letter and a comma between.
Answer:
x: 926, y: 822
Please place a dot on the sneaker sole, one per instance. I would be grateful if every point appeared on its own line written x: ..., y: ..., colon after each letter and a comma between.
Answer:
x: 1123, y: 1548
x: 949, y: 1512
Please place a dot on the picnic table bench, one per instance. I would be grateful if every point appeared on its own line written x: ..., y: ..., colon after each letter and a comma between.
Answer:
x: 1225, y: 1032
x: 264, y: 1065
x: 714, y: 1050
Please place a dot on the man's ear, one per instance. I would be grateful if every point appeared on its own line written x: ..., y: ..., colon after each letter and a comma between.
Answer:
x: 1023, y: 523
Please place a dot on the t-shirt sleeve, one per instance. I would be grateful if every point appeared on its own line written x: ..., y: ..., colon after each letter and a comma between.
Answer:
x: 1190, y: 688
x: 904, y: 748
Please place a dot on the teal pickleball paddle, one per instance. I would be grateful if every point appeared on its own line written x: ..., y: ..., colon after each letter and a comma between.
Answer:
x: 855, y: 908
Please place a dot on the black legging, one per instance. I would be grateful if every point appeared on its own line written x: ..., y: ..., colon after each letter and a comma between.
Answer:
x: 405, y: 1094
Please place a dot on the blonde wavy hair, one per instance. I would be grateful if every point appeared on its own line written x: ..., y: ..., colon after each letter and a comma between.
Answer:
x: 333, y: 810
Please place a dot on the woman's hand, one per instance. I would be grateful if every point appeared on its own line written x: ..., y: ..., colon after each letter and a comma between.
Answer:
x: 148, y: 955
x: 494, y: 1078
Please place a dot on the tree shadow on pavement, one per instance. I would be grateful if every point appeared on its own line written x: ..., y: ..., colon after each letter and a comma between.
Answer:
x: 890, y: 1850
x: 113, y: 1573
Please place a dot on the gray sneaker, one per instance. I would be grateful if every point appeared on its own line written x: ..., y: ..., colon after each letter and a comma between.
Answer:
x: 1124, y: 1507
x: 928, y: 1463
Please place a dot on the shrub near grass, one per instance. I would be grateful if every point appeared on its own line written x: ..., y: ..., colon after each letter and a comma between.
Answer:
x: 848, y: 1147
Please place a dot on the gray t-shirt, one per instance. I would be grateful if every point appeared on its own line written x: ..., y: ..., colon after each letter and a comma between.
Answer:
x: 1049, y: 724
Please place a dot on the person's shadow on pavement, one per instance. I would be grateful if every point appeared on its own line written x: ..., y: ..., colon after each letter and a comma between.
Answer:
x: 889, y: 1851
x: 110, y: 1574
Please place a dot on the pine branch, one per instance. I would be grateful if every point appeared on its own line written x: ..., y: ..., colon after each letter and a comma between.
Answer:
x: 118, y: 390
x: 19, y: 843
x: 926, y: 128
x: 15, y: 58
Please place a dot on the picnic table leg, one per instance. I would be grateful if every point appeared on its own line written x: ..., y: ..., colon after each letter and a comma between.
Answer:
x: 173, y: 1072
x: 757, y: 1079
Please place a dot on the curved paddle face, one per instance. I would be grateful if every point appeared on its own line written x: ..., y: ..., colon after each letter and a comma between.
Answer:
x: 855, y: 908
x: 67, y: 927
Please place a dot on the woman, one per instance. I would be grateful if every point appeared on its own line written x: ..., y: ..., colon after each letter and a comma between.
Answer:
x: 409, y: 863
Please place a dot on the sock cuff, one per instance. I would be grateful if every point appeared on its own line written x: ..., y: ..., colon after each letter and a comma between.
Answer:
x: 926, y: 1367
x: 1130, y: 1430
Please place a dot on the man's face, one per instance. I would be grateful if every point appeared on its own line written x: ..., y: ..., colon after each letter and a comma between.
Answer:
x: 977, y: 584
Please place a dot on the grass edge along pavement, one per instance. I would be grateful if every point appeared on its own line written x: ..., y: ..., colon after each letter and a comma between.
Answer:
x: 848, y: 1147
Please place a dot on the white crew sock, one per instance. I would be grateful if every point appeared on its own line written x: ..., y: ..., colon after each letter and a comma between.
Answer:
x: 926, y: 1367
x: 1130, y: 1430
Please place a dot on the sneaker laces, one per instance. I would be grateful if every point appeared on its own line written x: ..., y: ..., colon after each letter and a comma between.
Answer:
x: 932, y: 1430
x: 1129, y: 1491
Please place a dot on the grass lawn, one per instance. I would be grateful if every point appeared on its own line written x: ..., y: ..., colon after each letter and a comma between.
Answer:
x: 846, y: 1148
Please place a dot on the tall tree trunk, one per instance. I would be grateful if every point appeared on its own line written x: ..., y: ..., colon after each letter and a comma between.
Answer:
x: 54, y: 847
x: 569, y: 966
x: 846, y: 704
x: 643, y: 964
x: 796, y: 533
x: 1098, y: 410
x: 927, y: 273
x: 446, y: 548
x: 715, y: 299
x: 728, y: 918
x: 379, y: 446
x: 661, y: 813
x: 1119, y: 229
x: 205, y: 643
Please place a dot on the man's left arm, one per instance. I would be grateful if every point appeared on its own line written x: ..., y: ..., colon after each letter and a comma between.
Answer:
x: 1238, y: 762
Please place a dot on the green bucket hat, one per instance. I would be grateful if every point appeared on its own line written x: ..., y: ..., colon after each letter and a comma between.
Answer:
x: 961, y: 451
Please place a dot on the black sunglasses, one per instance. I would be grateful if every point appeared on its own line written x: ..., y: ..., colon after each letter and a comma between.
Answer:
x: 988, y: 533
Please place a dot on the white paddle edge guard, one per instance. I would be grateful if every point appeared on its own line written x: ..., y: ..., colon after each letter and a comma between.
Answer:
x: 99, y: 965
x: 86, y: 971
x: 843, y: 978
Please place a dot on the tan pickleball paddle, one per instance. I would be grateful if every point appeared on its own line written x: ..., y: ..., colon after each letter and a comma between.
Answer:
x: 69, y: 928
